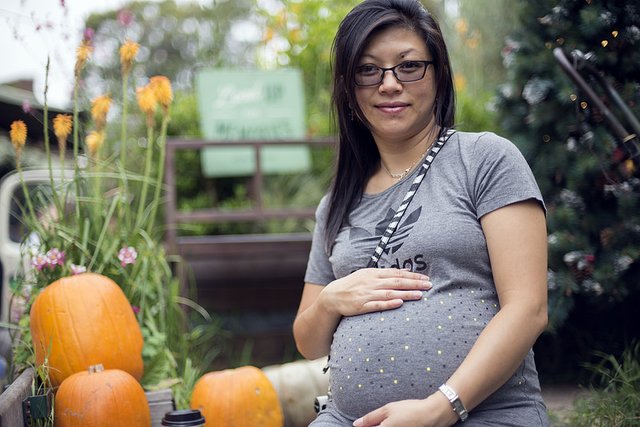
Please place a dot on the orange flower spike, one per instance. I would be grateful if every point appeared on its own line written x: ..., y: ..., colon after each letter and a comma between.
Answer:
x: 147, y: 102
x: 128, y: 52
x: 62, y: 127
x: 99, y: 109
x: 82, y: 55
x: 18, y: 135
x: 94, y: 141
x: 162, y: 89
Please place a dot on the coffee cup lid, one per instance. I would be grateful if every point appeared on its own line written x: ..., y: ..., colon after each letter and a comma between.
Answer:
x: 183, y: 418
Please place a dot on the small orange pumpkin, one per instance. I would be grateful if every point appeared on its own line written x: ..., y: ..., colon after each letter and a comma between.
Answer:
x: 242, y: 397
x: 84, y: 320
x: 101, y: 398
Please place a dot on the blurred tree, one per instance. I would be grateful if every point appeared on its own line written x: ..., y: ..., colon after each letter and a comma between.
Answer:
x: 299, y: 34
x: 592, y: 194
x: 475, y: 41
x: 176, y: 40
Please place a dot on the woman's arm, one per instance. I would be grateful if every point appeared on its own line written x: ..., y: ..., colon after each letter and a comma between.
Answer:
x: 363, y: 291
x: 517, y: 243
x: 314, y: 325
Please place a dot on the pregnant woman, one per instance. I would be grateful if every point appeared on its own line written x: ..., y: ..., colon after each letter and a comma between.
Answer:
x: 426, y: 281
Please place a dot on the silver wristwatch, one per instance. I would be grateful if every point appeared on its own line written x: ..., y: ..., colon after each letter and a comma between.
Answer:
x: 456, y: 403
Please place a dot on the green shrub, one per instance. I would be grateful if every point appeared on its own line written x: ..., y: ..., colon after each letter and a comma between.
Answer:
x: 617, y: 401
x: 475, y: 113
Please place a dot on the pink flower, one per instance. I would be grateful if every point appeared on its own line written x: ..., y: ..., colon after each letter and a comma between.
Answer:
x: 39, y: 261
x: 127, y: 255
x: 135, y: 309
x: 55, y: 257
x: 77, y: 269
x: 26, y: 107
x: 125, y: 17
x: 88, y: 34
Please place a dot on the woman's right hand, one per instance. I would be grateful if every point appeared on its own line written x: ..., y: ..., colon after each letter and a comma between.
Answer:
x: 372, y: 289
x: 363, y: 291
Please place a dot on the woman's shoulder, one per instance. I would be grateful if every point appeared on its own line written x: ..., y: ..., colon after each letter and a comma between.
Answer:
x: 485, y: 144
x: 322, y: 210
x: 485, y: 138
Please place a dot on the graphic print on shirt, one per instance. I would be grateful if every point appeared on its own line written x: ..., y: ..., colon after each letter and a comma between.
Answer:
x: 365, y: 241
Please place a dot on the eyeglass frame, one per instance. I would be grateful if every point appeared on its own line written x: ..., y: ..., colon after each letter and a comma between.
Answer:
x: 393, y: 70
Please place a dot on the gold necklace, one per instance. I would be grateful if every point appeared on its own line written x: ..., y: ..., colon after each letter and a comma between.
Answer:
x: 404, y: 173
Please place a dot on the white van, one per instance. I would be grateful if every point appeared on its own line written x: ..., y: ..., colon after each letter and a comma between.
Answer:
x: 12, y: 232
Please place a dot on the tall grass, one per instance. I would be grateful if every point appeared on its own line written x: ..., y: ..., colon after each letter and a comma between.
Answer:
x: 616, y: 401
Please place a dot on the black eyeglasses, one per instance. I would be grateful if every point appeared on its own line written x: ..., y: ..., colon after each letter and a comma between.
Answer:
x: 405, y: 72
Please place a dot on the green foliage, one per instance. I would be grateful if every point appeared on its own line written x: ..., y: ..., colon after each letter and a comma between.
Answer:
x: 301, y: 33
x: 185, y: 117
x: 474, y: 113
x: 475, y: 43
x: 593, y: 200
x: 617, y: 401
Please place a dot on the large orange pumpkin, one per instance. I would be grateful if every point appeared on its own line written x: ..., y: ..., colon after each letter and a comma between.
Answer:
x: 101, y: 398
x: 84, y: 320
x: 242, y: 397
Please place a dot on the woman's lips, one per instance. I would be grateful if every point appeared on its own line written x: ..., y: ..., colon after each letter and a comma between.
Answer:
x: 392, y: 108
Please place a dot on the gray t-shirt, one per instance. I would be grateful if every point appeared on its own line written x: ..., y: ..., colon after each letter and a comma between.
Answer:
x: 408, y: 352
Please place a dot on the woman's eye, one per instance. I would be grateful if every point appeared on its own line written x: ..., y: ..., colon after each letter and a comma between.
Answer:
x: 410, y: 65
x: 367, y: 69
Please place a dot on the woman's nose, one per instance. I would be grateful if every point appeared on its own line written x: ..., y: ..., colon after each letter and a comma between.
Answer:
x: 389, y: 82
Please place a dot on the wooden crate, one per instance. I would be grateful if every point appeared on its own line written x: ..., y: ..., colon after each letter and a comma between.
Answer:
x: 160, y: 402
x: 11, y: 400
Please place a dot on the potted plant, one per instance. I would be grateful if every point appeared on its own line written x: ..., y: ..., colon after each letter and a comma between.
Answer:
x: 96, y: 215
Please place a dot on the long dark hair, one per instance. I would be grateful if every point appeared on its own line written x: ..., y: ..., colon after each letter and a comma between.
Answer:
x: 358, y: 155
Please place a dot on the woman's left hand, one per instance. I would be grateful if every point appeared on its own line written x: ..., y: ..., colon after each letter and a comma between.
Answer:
x: 434, y: 411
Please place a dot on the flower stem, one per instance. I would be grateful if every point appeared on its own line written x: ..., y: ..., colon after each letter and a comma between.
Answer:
x: 156, y: 197
x: 61, y: 150
x: 75, y: 146
x: 147, y: 174
x: 97, y: 184
x: 103, y: 233
x: 27, y: 197
x: 45, y: 110
x: 124, y: 212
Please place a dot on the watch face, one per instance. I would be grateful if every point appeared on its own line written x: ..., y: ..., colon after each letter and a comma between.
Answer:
x: 448, y: 392
x: 456, y: 403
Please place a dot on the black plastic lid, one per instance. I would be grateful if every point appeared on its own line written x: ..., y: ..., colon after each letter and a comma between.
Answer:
x: 183, y: 418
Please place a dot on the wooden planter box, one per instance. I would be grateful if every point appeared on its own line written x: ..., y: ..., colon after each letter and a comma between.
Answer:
x: 13, y: 415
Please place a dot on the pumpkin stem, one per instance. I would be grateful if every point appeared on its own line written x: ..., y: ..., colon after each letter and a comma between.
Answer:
x: 96, y: 368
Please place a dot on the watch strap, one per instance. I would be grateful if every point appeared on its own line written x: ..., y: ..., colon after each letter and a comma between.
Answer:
x: 456, y: 403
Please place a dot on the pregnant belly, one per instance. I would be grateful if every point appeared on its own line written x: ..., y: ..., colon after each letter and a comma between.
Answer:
x: 405, y: 353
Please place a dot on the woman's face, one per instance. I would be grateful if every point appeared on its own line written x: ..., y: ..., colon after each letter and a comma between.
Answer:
x: 397, y: 110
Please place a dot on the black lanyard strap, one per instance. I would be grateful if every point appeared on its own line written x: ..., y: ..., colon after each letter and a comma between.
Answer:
x: 391, y: 228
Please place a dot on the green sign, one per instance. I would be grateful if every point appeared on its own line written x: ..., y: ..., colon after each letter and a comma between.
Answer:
x: 252, y: 105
